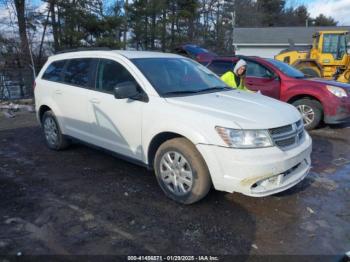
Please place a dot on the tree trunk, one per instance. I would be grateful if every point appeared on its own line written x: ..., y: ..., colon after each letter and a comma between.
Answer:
x: 125, y: 23
x: 190, y: 29
x: 146, y: 27
x: 56, y: 44
x: 153, y: 24
x: 164, y: 29
x: 173, y: 13
x: 22, y: 28
x: 26, y: 54
x: 42, y: 40
x: 60, y: 36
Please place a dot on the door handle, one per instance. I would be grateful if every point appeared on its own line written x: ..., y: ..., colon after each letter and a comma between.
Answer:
x: 58, y: 92
x: 94, y: 101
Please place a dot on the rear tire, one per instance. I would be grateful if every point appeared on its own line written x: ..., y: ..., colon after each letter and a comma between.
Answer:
x: 311, y: 111
x: 53, y: 136
x: 181, y: 171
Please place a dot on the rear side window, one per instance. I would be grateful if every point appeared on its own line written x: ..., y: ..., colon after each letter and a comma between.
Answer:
x: 54, y: 71
x: 78, y: 72
x: 221, y: 67
x: 111, y: 73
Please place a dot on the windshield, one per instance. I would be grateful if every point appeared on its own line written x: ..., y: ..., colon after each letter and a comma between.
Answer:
x: 343, y: 45
x: 335, y: 44
x: 171, y: 76
x: 286, y: 69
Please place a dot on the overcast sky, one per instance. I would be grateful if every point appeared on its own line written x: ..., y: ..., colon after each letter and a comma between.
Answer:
x: 338, y: 9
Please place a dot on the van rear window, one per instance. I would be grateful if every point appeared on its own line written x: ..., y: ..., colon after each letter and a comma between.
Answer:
x: 54, y: 71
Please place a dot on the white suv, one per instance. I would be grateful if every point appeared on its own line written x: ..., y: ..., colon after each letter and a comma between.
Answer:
x: 172, y: 114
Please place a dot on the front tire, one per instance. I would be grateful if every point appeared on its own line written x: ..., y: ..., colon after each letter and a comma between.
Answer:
x: 53, y: 136
x: 181, y: 171
x: 311, y: 112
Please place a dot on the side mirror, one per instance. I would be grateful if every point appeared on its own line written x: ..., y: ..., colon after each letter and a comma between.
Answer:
x: 128, y: 89
x: 274, y: 76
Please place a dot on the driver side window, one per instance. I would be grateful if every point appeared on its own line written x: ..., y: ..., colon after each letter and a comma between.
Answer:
x: 109, y: 74
x: 257, y: 70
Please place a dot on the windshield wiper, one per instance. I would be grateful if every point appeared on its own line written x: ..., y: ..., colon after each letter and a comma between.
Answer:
x: 180, y: 92
x: 214, y: 88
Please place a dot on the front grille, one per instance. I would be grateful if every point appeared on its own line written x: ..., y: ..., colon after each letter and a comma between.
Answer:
x: 301, y: 135
x: 287, y: 137
x: 299, y: 123
x: 285, y: 142
x: 281, y: 130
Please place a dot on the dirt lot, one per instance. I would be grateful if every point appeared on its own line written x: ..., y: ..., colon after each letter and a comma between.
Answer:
x: 83, y: 201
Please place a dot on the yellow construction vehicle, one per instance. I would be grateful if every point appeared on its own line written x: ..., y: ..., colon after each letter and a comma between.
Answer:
x: 327, y: 58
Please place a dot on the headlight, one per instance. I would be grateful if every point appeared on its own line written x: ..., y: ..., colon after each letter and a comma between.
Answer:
x: 337, y: 91
x: 245, y: 138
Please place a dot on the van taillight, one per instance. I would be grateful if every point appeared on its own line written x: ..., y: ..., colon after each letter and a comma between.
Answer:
x: 34, y: 84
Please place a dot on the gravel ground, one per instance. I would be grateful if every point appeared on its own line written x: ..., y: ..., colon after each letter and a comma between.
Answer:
x: 84, y: 201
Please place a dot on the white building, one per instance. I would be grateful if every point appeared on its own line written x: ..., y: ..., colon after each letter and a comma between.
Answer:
x: 269, y: 41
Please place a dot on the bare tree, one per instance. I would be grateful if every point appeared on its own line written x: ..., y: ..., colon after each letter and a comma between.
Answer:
x: 22, y: 29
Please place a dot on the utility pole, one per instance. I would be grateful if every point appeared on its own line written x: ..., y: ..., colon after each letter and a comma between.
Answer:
x: 233, y: 24
x: 125, y: 23
x: 233, y: 14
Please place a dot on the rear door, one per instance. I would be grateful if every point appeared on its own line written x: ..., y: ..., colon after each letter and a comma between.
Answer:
x: 51, y: 87
x: 73, y: 97
x: 116, y: 122
x: 260, y: 78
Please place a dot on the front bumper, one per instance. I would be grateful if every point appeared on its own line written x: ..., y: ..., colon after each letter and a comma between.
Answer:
x: 257, y: 172
x: 341, y: 112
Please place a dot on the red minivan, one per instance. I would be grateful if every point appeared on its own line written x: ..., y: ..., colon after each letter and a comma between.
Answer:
x: 317, y: 99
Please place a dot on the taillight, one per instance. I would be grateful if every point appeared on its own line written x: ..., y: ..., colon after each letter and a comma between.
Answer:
x: 34, y: 84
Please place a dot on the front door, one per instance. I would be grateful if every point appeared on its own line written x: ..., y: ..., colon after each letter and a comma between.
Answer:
x: 116, y: 122
x: 260, y: 78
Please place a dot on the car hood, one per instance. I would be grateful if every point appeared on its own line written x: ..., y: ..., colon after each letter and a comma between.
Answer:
x: 330, y: 82
x: 244, y: 109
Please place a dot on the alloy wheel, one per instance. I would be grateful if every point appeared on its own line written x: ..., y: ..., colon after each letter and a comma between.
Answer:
x: 307, y: 113
x: 51, y: 131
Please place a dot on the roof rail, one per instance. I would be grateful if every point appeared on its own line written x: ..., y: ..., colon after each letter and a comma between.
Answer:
x: 83, y: 49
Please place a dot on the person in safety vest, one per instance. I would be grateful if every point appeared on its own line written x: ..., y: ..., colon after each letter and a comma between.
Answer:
x: 236, y: 78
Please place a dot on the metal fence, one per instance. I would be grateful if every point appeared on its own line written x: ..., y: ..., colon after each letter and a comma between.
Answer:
x: 15, y: 83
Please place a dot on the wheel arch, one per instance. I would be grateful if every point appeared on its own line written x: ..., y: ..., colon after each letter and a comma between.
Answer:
x: 294, y: 98
x: 42, y: 110
x: 311, y: 125
x: 156, y: 142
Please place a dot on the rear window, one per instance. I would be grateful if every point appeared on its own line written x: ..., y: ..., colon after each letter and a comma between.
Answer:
x: 196, y: 49
x: 54, y: 71
x: 221, y: 67
x: 78, y: 72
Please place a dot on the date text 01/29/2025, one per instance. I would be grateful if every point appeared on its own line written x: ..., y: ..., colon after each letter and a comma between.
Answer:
x: 173, y: 258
